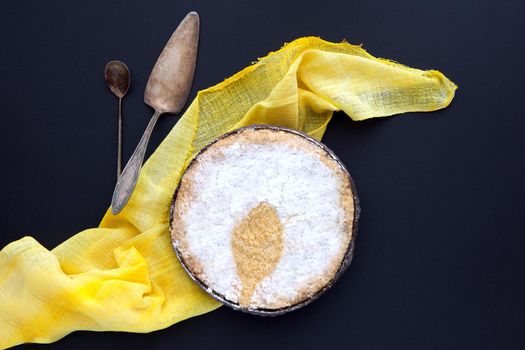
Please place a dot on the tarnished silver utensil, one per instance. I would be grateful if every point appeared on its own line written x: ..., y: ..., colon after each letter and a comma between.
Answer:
x: 167, y: 91
x: 118, y: 79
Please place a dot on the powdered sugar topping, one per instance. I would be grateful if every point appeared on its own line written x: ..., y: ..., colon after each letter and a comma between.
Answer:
x: 306, y: 193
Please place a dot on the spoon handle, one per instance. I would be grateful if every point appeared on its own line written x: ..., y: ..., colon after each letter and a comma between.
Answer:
x: 119, y: 138
x: 128, y: 179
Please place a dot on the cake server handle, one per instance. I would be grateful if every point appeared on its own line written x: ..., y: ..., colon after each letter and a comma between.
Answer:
x: 128, y: 179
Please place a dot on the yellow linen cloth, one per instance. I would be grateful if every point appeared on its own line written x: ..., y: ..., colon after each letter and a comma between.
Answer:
x: 123, y: 275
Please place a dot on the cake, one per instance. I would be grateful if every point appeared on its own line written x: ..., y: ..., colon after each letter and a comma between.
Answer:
x: 264, y: 219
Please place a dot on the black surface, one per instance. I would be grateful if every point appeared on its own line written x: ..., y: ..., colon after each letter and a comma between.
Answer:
x: 439, y: 261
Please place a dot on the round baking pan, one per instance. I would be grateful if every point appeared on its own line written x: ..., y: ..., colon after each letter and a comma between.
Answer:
x: 347, y: 256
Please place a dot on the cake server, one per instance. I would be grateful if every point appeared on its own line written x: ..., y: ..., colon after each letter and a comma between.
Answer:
x: 167, y: 91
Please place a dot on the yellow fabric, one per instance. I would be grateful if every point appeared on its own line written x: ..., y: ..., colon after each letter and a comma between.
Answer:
x: 123, y: 275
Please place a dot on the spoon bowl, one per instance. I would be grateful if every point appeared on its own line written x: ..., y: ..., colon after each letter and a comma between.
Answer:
x: 117, y: 77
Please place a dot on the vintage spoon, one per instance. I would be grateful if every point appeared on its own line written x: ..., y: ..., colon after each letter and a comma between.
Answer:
x: 118, y: 78
x: 167, y: 91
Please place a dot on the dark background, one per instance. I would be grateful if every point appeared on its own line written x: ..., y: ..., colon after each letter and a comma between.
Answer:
x: 439, y: 261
